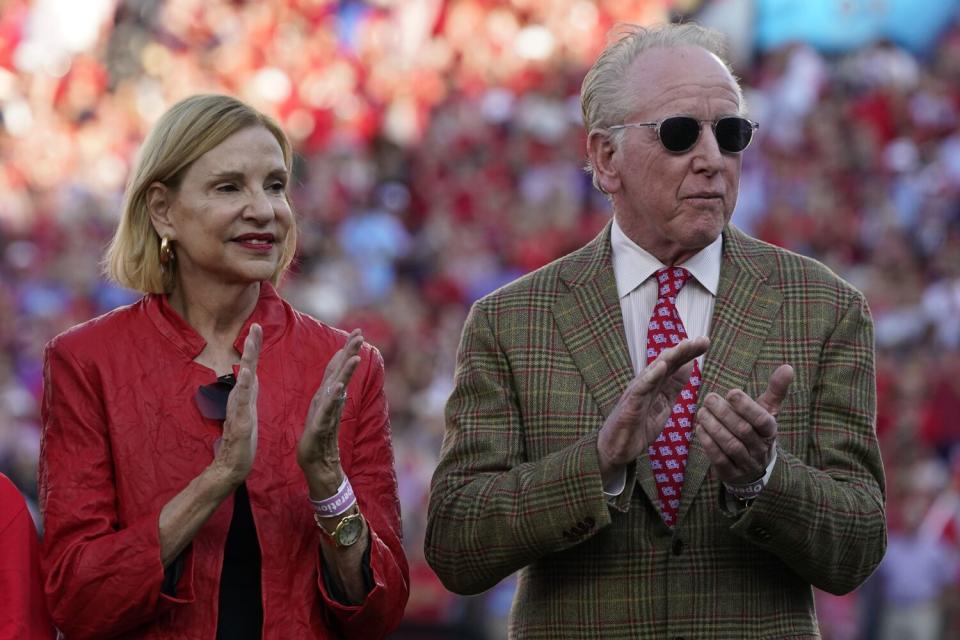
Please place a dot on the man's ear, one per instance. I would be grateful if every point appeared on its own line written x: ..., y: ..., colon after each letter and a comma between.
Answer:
x: 159, y: 198
x: 601, y: 150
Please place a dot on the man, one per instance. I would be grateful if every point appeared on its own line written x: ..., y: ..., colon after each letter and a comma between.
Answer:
x: 582, y: 449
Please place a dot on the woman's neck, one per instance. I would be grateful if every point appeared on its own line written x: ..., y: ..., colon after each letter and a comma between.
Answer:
x: 216, y: 313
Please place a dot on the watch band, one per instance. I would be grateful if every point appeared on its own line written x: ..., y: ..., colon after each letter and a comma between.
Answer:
x: 346, y: 532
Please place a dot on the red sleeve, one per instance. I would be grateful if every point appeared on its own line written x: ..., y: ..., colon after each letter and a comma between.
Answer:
x: 101, y: 577
x: 373, y: 479
x: 23, y: 613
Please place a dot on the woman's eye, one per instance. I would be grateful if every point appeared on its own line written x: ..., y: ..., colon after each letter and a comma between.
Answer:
x: 227, y: 188
x: 277, y: 187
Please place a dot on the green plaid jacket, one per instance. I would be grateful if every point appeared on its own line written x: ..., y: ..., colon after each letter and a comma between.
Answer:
x: 542, y: 362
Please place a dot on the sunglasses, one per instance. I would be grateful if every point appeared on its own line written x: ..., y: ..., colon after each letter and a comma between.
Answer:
x: 212, y: 398
x: 679, y: 134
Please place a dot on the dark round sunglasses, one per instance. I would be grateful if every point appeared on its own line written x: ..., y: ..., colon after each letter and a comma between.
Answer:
x: 679, y: 134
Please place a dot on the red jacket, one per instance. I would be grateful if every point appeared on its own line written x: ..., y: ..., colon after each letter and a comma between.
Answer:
x: 23, y: 614
x: 122, y: 435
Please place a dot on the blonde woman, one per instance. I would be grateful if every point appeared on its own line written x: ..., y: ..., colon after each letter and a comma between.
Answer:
x: 215, y: 463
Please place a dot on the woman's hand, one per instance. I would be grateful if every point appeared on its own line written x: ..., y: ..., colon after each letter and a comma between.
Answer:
x: 318, y: 452
x: 238, y: 446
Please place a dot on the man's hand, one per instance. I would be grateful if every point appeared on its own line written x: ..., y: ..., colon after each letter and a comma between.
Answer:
x: 738, y: 433
x: 644, y: 407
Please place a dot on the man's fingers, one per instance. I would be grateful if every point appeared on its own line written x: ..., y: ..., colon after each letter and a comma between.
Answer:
x: 674, y: 384
x: 685, y: 352
x: 724, y: 436
x: 761, y: 421
x: 675, y: 362
x: 776, y: 389
x: 723, y: 464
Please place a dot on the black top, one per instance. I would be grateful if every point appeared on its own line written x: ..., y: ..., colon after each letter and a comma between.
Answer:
x: 240, y: 611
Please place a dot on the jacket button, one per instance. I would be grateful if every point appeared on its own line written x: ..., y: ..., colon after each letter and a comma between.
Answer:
x: 677, y: 547
x: 760, y: 532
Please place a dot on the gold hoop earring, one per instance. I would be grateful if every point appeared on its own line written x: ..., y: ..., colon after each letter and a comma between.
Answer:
x: 166, y: 251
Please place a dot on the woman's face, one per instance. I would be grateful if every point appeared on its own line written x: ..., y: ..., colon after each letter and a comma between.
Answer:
x: 230, y: 217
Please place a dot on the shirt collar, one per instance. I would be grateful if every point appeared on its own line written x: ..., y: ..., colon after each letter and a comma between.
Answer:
x: 632, y: 264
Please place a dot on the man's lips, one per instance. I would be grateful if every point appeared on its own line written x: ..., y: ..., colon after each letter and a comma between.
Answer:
x: 704, y: 195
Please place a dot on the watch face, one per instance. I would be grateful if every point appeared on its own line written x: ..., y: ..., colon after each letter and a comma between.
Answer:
x: 349, y: 530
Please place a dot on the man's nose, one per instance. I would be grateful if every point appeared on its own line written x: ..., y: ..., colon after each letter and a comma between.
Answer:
x: 707, y: 156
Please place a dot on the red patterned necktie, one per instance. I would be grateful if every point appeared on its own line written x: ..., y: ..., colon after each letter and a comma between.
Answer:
x: 668, y: 453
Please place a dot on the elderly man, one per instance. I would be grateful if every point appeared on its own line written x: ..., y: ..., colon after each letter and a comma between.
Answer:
x: 637, y: 496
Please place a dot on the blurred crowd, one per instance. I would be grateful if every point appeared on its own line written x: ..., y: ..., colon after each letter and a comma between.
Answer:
x: 440, y: 156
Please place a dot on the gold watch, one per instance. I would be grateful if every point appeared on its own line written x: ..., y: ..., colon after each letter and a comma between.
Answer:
x: 348, y: 530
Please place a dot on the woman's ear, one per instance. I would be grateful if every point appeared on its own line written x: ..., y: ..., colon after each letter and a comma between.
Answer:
x: 601, y: 149
x: 159, y: 198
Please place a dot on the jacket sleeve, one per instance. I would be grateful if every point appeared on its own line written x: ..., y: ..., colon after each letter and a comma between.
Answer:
x: 102, y: 577
x: 371, y: 473
x: 491, y: 510
x: 823, y: 514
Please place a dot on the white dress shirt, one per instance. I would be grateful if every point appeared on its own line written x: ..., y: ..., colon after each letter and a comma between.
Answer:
x: 633, y: 267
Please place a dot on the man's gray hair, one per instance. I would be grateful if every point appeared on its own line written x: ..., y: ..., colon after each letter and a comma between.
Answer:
x: 602, y: 99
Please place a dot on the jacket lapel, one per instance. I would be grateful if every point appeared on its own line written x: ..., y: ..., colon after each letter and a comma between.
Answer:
x: 743, y: 313
x: 590, y: 322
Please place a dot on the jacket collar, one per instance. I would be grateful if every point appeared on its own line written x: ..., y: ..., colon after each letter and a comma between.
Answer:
x: 271, y: 313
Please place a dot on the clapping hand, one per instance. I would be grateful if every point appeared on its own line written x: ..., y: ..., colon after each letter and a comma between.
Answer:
x: 639, y: 415
x: 318, y: 452
x: 738, y: 433
x: 238, y: 446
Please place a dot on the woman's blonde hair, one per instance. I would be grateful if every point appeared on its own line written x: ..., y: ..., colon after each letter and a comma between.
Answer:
x: 189, y: 129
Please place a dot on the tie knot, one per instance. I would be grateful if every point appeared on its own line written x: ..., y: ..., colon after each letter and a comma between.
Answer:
x: 670, y: 280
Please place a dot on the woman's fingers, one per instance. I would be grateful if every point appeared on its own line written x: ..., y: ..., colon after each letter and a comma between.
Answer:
x: 251, y: 348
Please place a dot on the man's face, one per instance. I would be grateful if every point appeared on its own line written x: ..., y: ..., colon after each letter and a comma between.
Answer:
x: 673, y: 204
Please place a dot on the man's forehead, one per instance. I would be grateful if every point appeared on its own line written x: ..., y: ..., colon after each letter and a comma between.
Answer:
x: 664, y: 74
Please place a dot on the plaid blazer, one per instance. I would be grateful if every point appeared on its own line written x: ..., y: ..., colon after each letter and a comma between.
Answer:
x: 542, y: 362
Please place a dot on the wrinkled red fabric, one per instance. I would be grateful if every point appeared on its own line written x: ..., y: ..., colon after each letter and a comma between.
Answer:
x: 122, y: 435
x: 23, y: 614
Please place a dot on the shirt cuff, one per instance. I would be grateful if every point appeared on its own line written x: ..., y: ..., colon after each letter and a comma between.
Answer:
x: 617, y: 485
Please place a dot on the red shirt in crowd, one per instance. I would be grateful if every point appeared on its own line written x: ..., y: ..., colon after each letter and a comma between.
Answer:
x: 23, y: 614
x: 122, y: 435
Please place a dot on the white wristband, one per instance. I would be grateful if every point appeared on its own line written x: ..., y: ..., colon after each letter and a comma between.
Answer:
x: 337, y: 504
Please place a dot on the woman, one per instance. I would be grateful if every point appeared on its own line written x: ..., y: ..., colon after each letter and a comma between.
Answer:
x: 23, y: 613
x: 214, y: 463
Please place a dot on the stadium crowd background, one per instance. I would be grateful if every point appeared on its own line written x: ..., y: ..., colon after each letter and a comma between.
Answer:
x: 440, y: 156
